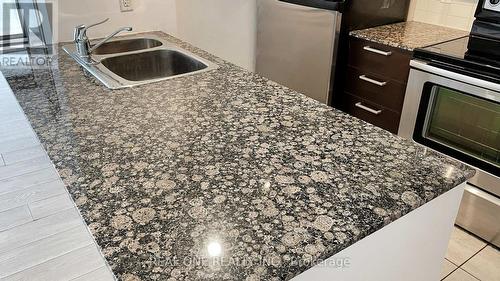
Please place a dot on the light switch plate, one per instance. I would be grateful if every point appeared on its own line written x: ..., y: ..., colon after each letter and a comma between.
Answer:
x: 126, y: 5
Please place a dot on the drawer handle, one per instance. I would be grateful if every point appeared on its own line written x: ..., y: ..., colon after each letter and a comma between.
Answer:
x: 373, y: 81
x: 377, y: 51
x: 371, y: 110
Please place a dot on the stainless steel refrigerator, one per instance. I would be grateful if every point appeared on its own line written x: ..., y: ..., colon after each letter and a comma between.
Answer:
x: 302, y: 44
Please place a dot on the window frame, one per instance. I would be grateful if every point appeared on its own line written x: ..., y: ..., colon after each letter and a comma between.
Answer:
x: 6, y: 38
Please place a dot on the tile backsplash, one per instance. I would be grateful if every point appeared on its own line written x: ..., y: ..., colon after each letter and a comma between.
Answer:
x: 457, y: 14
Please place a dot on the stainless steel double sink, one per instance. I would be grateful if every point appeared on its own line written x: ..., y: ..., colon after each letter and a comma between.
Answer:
x: 137, y: 60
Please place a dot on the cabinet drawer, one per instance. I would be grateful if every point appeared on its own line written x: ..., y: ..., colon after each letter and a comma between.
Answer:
x: 376, y: 88
x: 379, y: 59
x: 372, y: 113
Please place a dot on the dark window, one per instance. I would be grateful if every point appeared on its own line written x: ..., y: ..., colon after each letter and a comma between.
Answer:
x: 461, y: 125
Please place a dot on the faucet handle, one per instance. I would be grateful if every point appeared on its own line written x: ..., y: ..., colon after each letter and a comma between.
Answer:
x: 78, y: 31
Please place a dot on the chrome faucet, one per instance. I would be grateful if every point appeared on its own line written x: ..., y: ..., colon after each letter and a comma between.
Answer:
x: 83, y: 47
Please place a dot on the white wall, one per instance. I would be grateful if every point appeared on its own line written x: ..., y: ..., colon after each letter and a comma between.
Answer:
x: 225, y: 28
x: 457, y: 14
x: 148, y: 15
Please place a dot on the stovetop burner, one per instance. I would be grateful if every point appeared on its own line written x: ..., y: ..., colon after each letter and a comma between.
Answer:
x: 455, y: 55
x: 476, y: 55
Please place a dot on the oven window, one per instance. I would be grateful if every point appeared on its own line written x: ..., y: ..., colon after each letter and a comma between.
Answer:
x: 465, y: 123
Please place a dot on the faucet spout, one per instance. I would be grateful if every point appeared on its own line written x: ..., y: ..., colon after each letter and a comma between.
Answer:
x: 83, y: 43
x: 108, y: 38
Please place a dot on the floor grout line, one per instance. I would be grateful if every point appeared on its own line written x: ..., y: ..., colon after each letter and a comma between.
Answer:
x: 21, y: 149
x: 10, y: 177
x: 470, y: 274
x: 28, y: 160
x: 444, y: 278
x: 36, y: 241
x: 62, y: 193
x: 31, y: 213
x: 34, y: 220
x: 473, y: 255
x: 470, y: 259
x: 55, y: 213
x: 40, y: 263
x: 30, y: 186
x: 26, y: 148
x: 12, y: 227
x: 10, y: 209
x: 487, y: 244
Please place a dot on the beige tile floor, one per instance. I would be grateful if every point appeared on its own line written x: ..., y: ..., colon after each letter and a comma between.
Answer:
x: 470, y: 259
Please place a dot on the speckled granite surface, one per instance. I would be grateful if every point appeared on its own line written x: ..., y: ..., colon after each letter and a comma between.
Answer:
x: 225, y: 161
x: 409, y: 35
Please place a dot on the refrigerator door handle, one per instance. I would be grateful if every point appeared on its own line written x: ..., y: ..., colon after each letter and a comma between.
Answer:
x: 336, y: 5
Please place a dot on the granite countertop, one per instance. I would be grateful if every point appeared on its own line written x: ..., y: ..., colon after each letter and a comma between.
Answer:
x: 409, y: 35
x: 166, y: 174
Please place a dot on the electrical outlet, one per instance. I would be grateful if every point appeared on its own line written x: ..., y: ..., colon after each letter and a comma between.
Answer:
x: 126, y: 5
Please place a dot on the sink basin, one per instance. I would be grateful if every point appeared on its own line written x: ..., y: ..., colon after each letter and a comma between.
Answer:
x: 152, y: 65
x: 137, y: 60
x: 128, y: 45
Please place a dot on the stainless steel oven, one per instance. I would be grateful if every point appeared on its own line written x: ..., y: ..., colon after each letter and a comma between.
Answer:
x: 459, y: 115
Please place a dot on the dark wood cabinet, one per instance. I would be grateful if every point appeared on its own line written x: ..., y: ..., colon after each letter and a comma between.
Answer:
x: 390, y: 95
x: 372, y: 113
x: 376, y: 81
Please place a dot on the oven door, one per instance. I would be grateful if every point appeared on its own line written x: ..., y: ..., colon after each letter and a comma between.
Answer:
x: 459, y: 116
x: 454, y: 115
x: 460, y: 123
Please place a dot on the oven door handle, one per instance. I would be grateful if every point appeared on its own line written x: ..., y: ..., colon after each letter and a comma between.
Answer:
x: 424, y: 66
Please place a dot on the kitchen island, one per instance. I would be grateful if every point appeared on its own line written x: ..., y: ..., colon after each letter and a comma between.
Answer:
x: 225, y: 175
